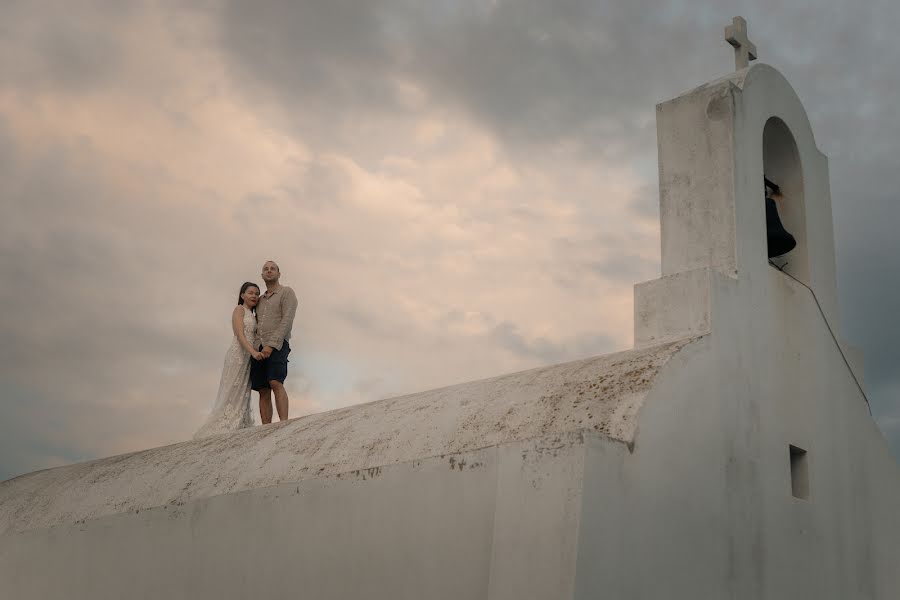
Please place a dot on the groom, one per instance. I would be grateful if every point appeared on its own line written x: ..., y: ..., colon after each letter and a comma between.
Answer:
x: 275, y: 315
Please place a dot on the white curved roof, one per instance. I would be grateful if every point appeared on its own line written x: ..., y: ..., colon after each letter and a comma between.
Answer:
x: 601, y: 394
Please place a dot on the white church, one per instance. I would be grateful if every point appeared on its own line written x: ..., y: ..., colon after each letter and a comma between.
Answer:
x: 730, y: 454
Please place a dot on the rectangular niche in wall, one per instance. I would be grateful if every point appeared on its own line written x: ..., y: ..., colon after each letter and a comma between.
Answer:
x: 799, y: 473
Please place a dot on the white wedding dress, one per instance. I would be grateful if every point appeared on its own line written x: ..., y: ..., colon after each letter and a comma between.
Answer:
x: 231, y: 410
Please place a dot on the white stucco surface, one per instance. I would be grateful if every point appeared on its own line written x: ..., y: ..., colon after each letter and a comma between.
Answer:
x: 660, y: 472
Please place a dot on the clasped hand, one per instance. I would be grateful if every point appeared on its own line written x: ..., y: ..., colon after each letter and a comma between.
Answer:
x: 266, y: 353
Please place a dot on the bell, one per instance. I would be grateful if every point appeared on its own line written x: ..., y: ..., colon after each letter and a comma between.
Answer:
x: 780, y: 241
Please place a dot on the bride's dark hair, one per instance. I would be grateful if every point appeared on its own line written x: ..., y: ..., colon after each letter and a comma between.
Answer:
x: 247, y: 284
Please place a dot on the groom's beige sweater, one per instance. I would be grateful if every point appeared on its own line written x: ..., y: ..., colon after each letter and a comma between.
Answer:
x: 275, y: 316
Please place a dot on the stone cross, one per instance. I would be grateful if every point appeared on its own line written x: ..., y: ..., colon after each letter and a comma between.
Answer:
x: 744, y: 49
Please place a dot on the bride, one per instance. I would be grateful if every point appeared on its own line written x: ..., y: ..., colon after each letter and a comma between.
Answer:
x: 231, y: 410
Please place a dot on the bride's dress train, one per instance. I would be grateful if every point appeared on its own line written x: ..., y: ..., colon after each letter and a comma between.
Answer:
x: 231, y: 410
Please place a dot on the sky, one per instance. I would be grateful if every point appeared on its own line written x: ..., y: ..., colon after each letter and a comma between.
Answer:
x: 454, y: 189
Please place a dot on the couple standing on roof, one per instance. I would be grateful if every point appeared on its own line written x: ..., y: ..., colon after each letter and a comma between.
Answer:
x: 258, y: 356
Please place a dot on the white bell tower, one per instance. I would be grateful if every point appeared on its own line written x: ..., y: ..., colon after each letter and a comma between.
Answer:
x: 716, y: 144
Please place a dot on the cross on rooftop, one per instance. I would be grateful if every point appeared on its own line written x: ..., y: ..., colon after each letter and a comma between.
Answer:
x: 744, y: 49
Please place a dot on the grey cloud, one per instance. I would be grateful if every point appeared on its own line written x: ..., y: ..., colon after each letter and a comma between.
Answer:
x: 323, y: 186
x: 326, y: 56
x: 250, y: 205
x: 646, y: 202
x: 625, y: 268
x: 44, y: 48
x: 92, y: 358
x: 609, y: 256
x: 890, y: 426
x: 541, y: 72
x: 27, y: 440
x: 7, y: 146
x: 531, y: 71
x: 509, y: 336
x: 536, y: 75
x: 78, y: 57
x: 372, y: 324
x: 869, y: 282
x: 369, y: 386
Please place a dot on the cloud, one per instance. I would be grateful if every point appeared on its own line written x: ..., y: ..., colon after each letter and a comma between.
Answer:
x: 137, y: 202
x: 510, y: 338
x: 454, y: 190
x: 46, y: 50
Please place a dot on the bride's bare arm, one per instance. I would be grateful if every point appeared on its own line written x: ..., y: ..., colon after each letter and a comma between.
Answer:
x: 237, y: 325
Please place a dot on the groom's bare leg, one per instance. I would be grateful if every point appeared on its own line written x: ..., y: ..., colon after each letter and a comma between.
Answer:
x: 281, y: 401
x: 265, y: 405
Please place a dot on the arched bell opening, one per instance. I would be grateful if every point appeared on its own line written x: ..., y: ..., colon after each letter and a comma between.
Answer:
x: 782, y: 190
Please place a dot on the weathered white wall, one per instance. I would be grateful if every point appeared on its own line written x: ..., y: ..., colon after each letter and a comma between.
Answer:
x: 714, y: 434
x: 495, y: 523
x: 706, y: 494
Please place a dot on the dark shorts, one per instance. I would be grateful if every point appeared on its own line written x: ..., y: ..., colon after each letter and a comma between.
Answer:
x: 269, y: 369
